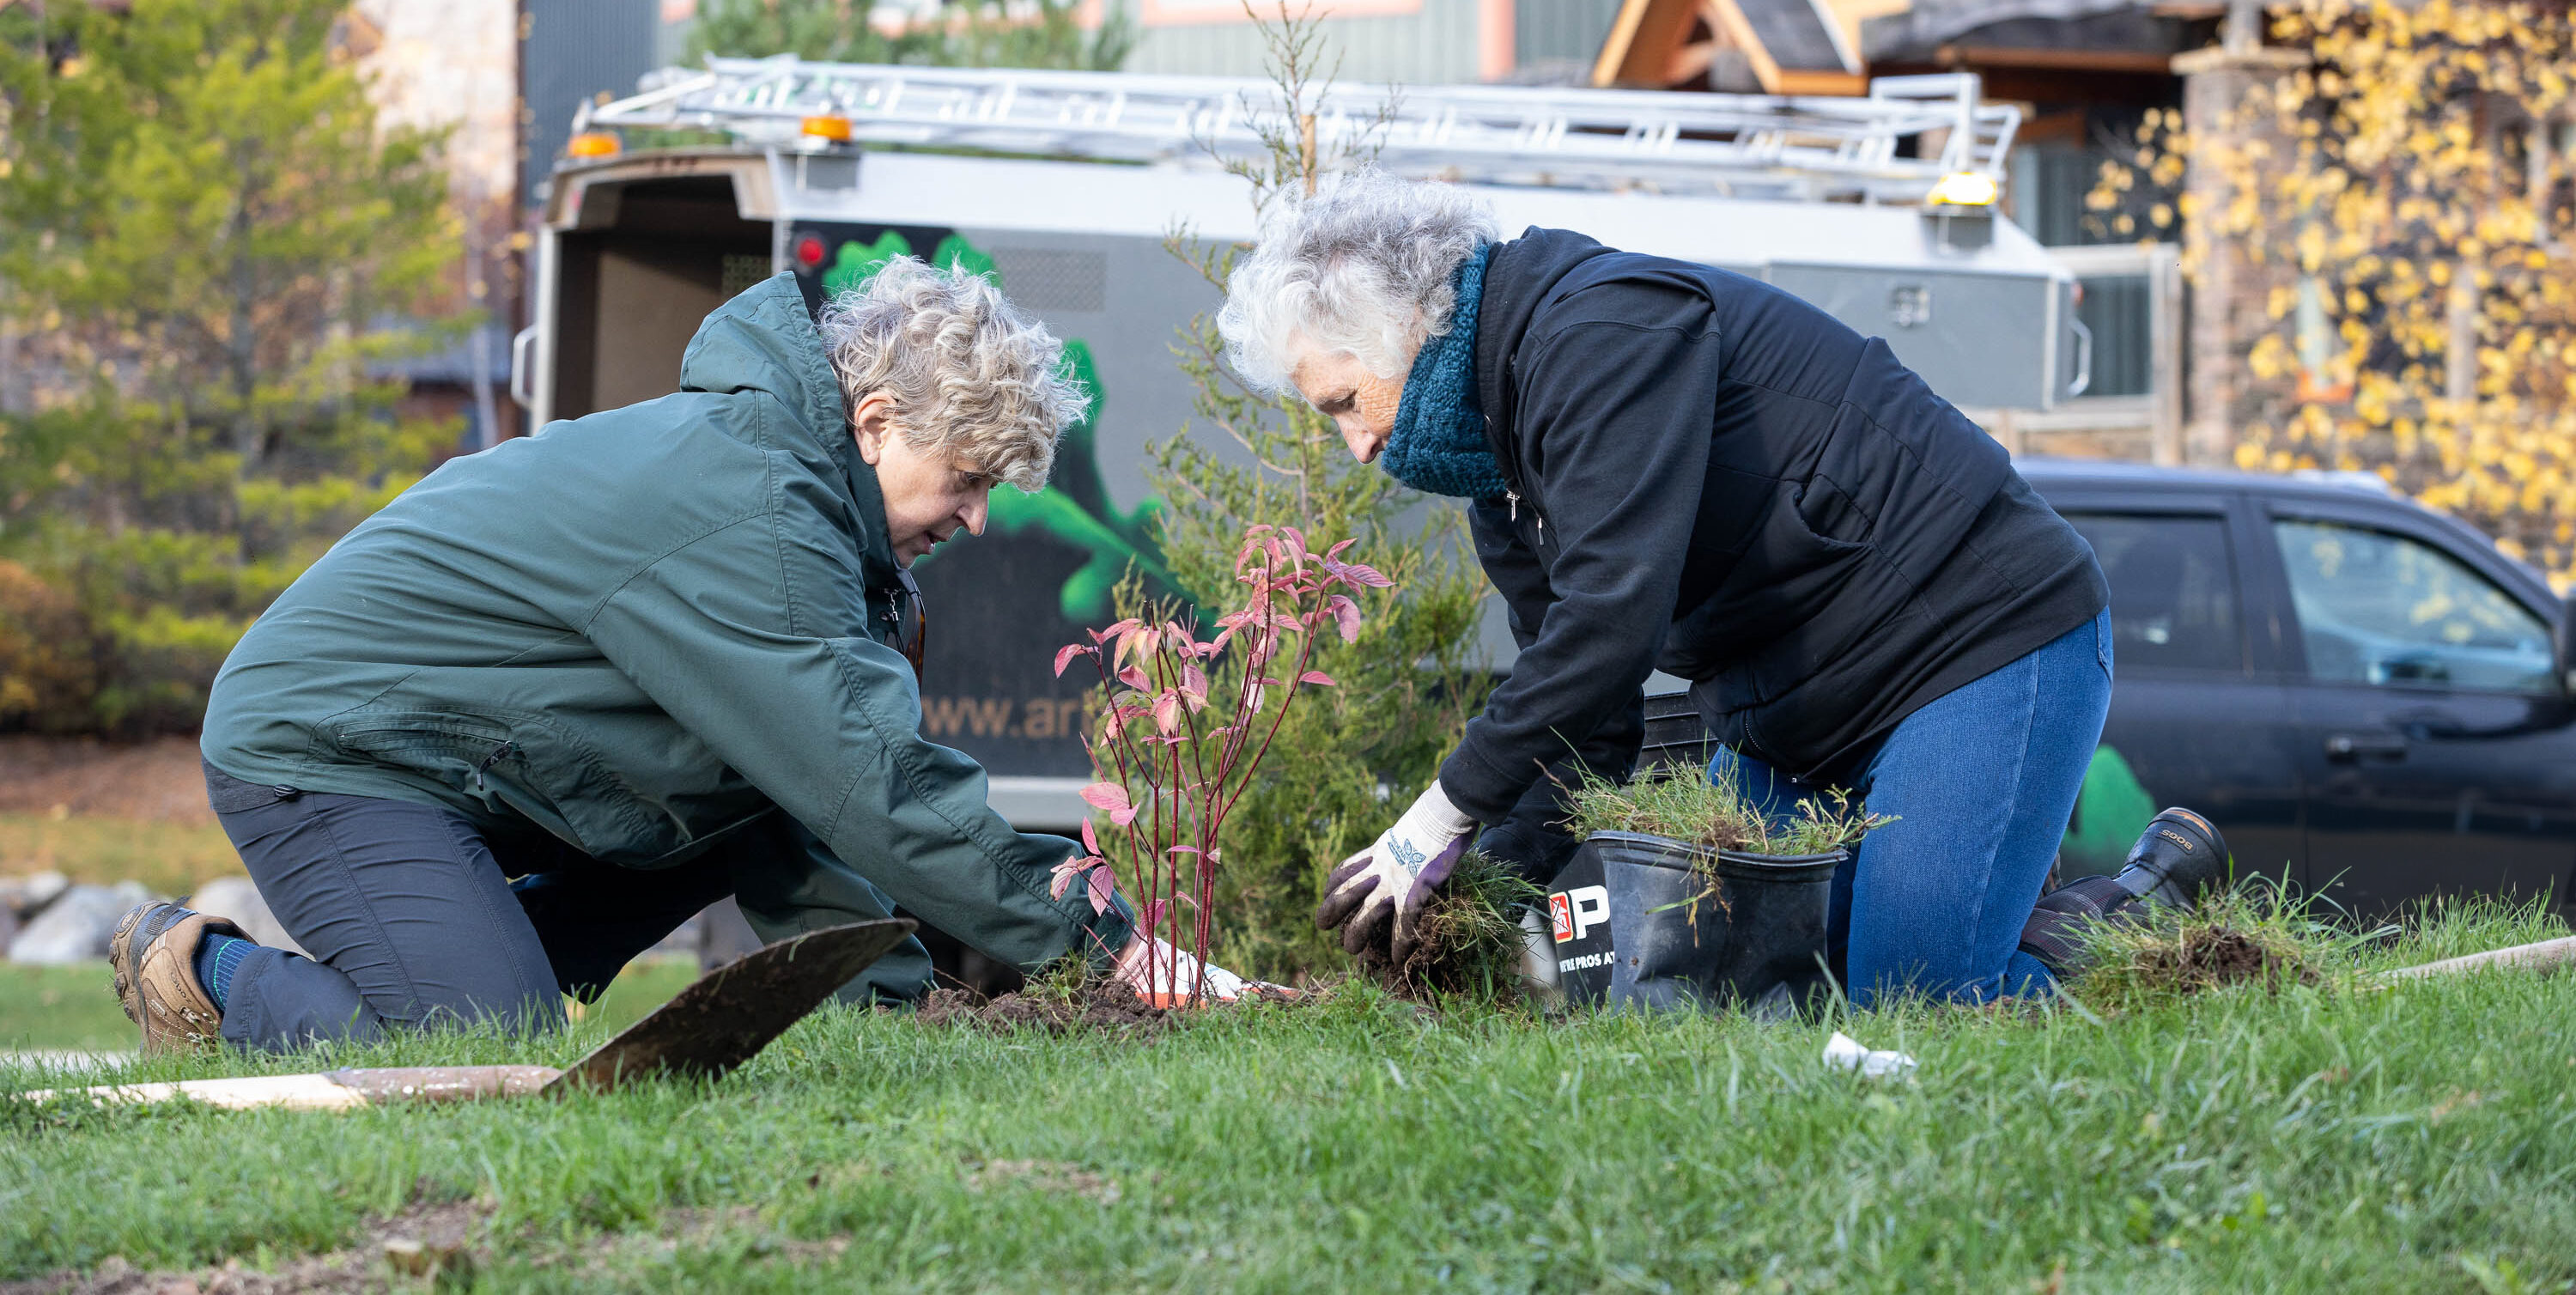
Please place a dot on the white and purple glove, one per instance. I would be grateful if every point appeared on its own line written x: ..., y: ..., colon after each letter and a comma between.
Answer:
x: 1393, y: 879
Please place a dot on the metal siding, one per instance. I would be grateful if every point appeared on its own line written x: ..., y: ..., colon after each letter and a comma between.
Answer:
x: 1544, y: 30
x: 1436, y: 46
x: 574, y: 50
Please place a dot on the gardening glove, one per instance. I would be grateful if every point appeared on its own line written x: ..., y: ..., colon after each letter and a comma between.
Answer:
x: 1165, y: 977
x: 1392, y: 880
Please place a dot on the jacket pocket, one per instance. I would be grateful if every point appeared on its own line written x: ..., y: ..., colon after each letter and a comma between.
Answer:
x: 1772, y: 600
x: 526, y: 763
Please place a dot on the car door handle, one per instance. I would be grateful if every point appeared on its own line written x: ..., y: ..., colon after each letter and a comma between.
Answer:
x: 2354, y: 748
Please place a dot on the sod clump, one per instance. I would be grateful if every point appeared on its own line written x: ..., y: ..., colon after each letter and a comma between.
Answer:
x: 1714, y: 813
x: 1469, y: 941
x: 2257, y: 934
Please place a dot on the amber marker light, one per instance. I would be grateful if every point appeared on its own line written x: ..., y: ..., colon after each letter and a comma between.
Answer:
x: 835, y: 129
x: 592, y: 143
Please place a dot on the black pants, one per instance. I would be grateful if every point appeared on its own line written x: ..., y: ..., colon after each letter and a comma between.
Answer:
x: 414, y: 915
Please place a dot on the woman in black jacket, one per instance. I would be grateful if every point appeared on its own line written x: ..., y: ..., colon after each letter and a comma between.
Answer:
x: 1674, y: 466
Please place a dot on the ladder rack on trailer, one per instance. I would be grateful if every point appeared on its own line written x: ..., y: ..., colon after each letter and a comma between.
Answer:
x: 1744, y: 146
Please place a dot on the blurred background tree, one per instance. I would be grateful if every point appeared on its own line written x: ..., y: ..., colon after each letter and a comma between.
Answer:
x: 967, y: 33
x: 2403, y: 203
x: 203, y: 230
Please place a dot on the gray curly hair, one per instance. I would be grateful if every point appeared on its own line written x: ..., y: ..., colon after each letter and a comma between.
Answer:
x: 1364, y: 266
x: 971, y: 375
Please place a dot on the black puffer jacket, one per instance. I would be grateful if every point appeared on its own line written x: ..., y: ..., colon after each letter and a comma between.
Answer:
x: 1714, y: 477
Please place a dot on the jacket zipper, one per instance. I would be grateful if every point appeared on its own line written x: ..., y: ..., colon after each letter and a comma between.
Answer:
x: 1513, y: 498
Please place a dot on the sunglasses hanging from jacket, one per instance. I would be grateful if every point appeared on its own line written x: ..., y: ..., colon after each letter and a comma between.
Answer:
x: 912, y: 624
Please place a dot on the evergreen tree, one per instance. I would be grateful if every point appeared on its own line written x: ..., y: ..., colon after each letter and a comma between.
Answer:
x: 202, y: 228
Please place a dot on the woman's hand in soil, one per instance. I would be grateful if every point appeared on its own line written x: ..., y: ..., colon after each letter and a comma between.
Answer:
x: 1166, y: 977
x: 1384, y: 888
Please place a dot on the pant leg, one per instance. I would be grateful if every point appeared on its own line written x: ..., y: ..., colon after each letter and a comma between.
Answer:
x: 593, y: 918
x: 405, y: 912
x: 1982, y: 782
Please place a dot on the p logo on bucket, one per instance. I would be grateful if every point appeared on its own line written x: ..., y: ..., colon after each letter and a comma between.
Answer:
x: 1574, y: 912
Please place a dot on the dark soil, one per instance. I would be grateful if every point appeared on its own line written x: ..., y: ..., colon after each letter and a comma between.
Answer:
x: 423, y: 1241
x: 158, y: 780
x: 2208, y: 957
x: 1105, y: 1007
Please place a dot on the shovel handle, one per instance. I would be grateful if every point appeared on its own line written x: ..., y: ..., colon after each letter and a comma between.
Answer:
x: 2547, y: 955
x: 338, y: 1090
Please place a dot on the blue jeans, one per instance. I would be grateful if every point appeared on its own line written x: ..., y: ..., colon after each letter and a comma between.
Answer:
x: 1982, y: 782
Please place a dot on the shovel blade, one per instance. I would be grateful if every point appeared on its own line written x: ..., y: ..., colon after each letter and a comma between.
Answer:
x: 728, y: 1015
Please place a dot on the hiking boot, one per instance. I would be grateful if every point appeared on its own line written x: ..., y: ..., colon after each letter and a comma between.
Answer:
x: 154, y: 952
x: 2172, y: 866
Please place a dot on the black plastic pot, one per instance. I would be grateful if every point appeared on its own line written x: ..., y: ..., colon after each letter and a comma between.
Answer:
x: 1636, y: 924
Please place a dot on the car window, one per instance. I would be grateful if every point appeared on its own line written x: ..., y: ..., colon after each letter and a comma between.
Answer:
x: 2387, y: 611
x: 2173, y: 590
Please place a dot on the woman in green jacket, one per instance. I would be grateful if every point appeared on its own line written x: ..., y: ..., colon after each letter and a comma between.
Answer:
x: 516, y: 727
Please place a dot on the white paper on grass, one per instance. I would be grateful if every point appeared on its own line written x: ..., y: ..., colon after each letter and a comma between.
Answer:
x: 1846, y: 1053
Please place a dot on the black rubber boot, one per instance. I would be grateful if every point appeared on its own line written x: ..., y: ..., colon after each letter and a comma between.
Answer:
x: 2175, y: 860
x: 2171, y: 866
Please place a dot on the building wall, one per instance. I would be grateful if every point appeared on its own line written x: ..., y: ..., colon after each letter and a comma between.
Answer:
x: 1566, y: 31
x: 576, y: 50
x: 1416, y: 42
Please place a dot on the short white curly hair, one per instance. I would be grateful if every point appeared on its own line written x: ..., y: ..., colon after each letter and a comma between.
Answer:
x: 1364, y: 267
x: 971, y: 375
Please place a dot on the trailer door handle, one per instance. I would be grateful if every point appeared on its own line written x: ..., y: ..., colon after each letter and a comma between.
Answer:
x: 2357, y: 748
x: 2083, y: 359
x: 522, y: 376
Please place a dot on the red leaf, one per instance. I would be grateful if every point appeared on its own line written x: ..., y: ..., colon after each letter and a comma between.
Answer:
x: 1065, y: 657
x: 1112, y: 797
x: 1135, y: 678
x: 1347, y: 613
x: 1182, y: 849
x: 1316, y: 677
x: 1167, y: 712
x: 1089, y: 841
x: 1103, y: 888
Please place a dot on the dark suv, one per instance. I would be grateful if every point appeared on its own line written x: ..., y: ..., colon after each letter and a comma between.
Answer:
x: 2364, y: 695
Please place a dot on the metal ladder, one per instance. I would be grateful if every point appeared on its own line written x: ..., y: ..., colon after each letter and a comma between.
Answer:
x: 1753, y: 146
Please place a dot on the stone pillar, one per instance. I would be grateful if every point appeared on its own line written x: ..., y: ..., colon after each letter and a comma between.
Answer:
x: 2227, y: 312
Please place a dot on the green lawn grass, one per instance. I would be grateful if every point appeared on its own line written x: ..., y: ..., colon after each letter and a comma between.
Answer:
x: 169, y: 858
x: 2329, y: 1139
x: 75, y: 1007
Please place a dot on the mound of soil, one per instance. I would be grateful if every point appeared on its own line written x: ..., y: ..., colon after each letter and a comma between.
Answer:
x: 1102, y: 1006
x: 2208, y: 957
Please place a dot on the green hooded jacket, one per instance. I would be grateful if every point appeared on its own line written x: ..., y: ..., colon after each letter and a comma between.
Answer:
x: 646, y: 631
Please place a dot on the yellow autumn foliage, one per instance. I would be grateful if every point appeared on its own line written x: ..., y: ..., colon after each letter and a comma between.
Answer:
x: 2407, y: 206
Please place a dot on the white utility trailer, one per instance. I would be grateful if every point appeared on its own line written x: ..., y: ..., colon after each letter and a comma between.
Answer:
x: 1066, y: 185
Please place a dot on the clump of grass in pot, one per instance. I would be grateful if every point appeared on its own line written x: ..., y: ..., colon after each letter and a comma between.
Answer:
x: 1715, y: 814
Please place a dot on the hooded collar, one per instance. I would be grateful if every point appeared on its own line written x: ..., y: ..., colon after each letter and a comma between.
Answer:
x: 764, y: 340
x: 1519, y: 276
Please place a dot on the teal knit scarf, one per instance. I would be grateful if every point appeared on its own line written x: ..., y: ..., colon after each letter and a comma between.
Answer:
x: 1438, y: 443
